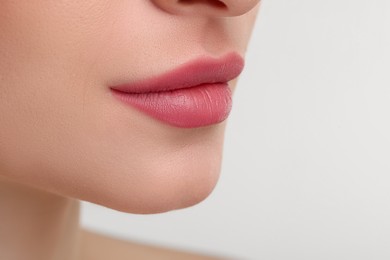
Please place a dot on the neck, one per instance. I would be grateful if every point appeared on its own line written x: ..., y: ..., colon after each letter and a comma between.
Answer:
x: 37, y: 225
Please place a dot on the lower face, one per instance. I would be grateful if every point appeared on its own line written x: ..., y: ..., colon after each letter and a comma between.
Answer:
x: 64, y: 132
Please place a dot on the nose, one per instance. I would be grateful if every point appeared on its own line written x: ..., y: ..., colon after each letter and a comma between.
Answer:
x: 207, y: 7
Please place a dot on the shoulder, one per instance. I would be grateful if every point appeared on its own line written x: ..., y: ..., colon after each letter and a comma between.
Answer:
x: 96, y: 246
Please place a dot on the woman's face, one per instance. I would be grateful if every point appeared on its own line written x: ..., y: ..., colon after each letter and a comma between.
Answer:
x: 62, y: 129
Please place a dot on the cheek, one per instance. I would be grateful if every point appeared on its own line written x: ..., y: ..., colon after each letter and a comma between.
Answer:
x: 101, y: 157
x: 101, y: 154
x: 61, y: 131
x: 72, y: 138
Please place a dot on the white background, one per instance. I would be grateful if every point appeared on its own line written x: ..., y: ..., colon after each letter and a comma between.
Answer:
x: 306, y: 171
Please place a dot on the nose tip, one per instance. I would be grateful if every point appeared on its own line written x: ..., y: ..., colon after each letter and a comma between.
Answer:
x: 207, y: 7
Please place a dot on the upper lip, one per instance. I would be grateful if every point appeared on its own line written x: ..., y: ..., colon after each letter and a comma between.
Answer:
x: 194, y: 73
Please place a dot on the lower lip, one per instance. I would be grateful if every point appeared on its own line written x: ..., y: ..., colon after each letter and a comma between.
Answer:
x: 199, y: 106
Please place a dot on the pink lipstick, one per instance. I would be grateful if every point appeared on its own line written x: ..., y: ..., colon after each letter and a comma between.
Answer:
x: 194, y: 95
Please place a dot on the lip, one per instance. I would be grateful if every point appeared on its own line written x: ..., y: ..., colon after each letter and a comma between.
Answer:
x: 195, y: 94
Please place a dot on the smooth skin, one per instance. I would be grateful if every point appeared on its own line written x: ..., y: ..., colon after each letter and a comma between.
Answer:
x: 64, y: 138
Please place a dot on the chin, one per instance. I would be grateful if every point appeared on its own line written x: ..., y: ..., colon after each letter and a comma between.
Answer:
x: 164, y: 186
x: 161, y: 187
x: 177, y: 170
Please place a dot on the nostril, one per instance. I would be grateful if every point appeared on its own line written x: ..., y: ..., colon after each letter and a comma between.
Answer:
x: 215, y: 3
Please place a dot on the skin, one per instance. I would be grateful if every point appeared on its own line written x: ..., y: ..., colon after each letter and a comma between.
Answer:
x: 64, y: 138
